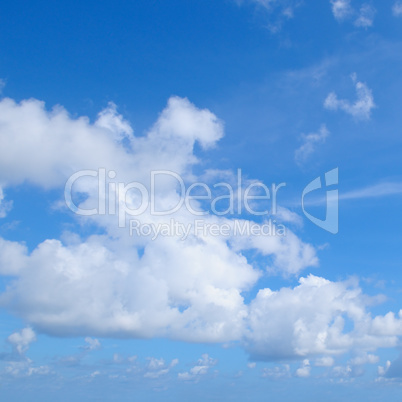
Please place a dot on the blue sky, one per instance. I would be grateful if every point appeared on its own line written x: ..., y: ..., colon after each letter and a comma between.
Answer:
x: 283, y: 91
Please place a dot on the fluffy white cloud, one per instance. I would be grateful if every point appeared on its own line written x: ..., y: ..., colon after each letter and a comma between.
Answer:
x: 25, y: 368
x: 17, y: 364
x: 305, y: 369
x: 277, y: 372
x: 21, y: 340
x: 343, y: 10
x: 366, y: 15
x: 277, y: 11
x: 326, y: 361
x: 365, y: 358
x: 5, y: 206
x: 200, y: 369
x: 52, y: 145
x: 382, y: 370
x: 91, y: 344
x: 388, y: 325
x: 309, y: 320
x: 45, y: 148
x: 117, y: 284
x: 110, y: 120
x: 89, y: 289
x: 360, y: 109
x: 342, y: 371
x: 310, y: 142
x: 13, y: 257
x: 190, y: 289
x: 157, y: 367
x: 182, y: 120
x: 397, y: 9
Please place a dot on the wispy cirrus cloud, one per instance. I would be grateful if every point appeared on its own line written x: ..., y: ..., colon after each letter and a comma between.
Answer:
x: 397, y: 9
x: 278, y: 11
x: 377, y: 190
x: 310, y: 143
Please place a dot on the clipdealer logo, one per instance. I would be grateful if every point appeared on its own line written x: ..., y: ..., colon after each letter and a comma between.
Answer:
x: 136, y: 199
x: 331, y: 221
x: 169, y: 196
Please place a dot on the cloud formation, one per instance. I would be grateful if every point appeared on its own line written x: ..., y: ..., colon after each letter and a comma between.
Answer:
x: 360, y: 109
x: 376, y: 190
x: 343, y: 11
x: 365, y: 17
x: 157, y: 367
x: 117, y: 285
x: 200, y: 369
x: 397, y: 9
x: 309, y: 145
x: 21, y: 340
x: 304, y: 370
x: 278, y: 12
x: 5, y: 206
x: 309, y: 320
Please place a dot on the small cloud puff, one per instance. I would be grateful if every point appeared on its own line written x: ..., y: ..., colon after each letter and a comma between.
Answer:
x: 397, y: 9
x: 309, y: 145
x: 200, y: 369
x: 305, y: 369
x: 360, y: 109
x: 343, y: 10
x: 21, y: 340
x: 91, y: 344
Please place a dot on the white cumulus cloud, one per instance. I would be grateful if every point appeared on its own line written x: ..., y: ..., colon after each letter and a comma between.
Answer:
x: 157, y: 367
x: 304, y: 370
x: 192, y: 289
x: 344, y: 10
x: 365, y: 17
x: 21, y: 340
x: 326, y: 361
x: 117, y: 284
x: 360, y: 109
x: 5, y: 206
x: 341, y: 9
x: 277, y: 11
x: 200, y: 369
x: 310, y: 320
x: 91, y: 344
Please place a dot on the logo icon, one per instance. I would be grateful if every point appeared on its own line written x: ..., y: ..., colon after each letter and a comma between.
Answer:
x: 331, y: 221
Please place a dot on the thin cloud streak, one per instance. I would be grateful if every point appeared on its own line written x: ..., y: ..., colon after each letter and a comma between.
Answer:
x: 375, y: 191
